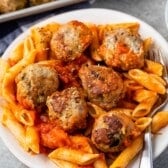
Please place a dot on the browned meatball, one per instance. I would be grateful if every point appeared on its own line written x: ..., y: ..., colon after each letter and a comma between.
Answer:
x: 34, y: 84
x: 113, y: 131
x: 103, y: 85
x: 69, y: 107
x: 70, y: 41
x: 122, y: 49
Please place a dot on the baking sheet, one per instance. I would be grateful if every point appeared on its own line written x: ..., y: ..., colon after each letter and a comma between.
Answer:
x: 37, y: 9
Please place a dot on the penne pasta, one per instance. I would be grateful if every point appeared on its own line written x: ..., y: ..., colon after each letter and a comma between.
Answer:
x: 153, y: 67
x: 95, y: 111
x: 95, y: 44
x: 132, y: 85
x: 128, y: 154
x: 64, y: 164
x: 159, y: 121
x: 81, y: 143
x: 159, y: 79
x: 4, y: 66
x: 17, y: 54
x: 144, y: 107
x: 32, y: 139
x: 100, y: 162
x: 147, y: 80
x: 75, y: 156
x: 26, y: 117
x: 143, y: 123
x: 16, y: 128
x: 142, y: 94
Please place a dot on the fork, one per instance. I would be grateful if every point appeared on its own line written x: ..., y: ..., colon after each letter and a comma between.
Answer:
x: 147, y: 153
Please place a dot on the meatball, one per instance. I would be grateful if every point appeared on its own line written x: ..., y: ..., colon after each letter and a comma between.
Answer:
x: 70, y: 41
x: 113, y: 131
x: 104, y: 87
x: 11, y: 5
x: 122, y: 49
x: 34, y: 83
x: 68, y: 107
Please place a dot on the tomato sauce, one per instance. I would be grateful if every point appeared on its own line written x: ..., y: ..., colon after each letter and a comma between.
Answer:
x: 52, y: 136
x: 68, y: 72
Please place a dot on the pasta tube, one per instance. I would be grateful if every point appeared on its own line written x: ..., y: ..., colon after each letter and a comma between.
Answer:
x: 128, y: 154
x: 32, y: 139
x: 100, y: 162
x: 144, y: 107
x: 159, y: 121
x: 64, y: 164
x: 75, y: 156
x: 142, y: 94
x: 143, y: 123
x: 16, y: 128
x: 153, y: 67
x: 147, y: 80
x: 4, y: 66
x: 81, y: 143
x: 95, y: 111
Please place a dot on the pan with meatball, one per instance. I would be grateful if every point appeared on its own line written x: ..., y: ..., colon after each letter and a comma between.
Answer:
x: 122, y: 49
x: 11, y: 5
x: 104, y: 87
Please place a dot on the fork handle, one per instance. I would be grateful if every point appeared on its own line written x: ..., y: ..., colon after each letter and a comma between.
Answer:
x: 147, y: 155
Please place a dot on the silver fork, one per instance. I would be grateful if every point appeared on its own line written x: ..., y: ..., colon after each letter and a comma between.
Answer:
x: 147, y: 153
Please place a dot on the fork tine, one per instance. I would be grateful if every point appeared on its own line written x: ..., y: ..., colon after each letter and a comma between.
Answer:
x: 150, y: 54
x: 154, y: 55
x: 164, y: 62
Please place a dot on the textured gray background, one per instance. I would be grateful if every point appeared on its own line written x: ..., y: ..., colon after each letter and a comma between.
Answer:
x: 151, y: 11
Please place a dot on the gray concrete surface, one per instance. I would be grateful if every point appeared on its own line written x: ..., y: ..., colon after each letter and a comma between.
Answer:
x: 151, y: 11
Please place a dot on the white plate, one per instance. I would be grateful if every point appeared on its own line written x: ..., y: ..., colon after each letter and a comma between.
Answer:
x: 96, y: 16
x: 37, y: 9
